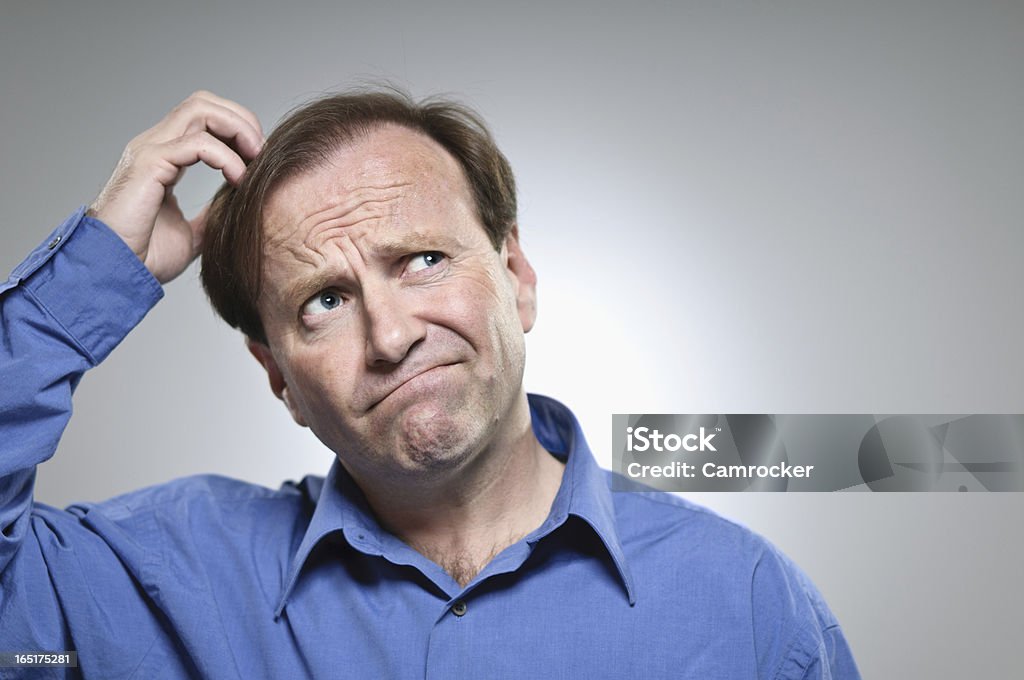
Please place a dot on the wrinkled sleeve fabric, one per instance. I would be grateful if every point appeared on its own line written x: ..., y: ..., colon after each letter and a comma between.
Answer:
x: 796, y: 636
x: 62, y: 311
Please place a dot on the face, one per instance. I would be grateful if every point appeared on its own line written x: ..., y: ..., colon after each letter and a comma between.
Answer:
x: 394, y: 327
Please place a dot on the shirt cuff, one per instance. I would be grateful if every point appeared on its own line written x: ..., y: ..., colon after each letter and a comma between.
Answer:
x: 91, y: 282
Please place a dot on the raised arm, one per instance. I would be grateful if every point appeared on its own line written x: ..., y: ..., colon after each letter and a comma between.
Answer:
x: 61, y: 312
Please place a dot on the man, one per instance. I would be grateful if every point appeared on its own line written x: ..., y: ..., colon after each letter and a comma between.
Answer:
x: 368, y: 250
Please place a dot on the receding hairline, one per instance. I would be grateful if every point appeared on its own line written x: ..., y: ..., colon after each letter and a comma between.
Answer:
x: 350, y: 146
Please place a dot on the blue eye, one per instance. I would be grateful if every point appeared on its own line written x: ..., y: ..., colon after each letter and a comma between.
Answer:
x: 322, y: 302
x: 426, y: 260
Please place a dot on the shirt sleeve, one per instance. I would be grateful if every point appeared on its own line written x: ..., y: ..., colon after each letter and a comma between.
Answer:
x: 796, y: 636
x: 62, y: 311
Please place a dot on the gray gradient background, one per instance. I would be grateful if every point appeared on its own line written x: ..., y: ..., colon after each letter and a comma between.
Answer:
x: 767, y: 207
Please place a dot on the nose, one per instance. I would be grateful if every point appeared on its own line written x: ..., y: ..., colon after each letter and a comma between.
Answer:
x: 392, y: 329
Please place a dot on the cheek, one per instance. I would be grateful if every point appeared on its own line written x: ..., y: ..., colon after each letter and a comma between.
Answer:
x: 475, y: 300
x: 483, y: 311
x: 320, y: 384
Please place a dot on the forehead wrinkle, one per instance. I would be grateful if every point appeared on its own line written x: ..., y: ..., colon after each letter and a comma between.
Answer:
x: 359, y: 205
x: 327, y: 270
x: 345, y: 210
x: 349, y: 267
x: 344, y: 202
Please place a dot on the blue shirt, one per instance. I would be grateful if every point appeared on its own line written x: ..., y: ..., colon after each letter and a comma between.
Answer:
x: 217, y: 578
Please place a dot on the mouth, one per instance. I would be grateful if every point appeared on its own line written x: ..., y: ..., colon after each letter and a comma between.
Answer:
x: 392, y: 388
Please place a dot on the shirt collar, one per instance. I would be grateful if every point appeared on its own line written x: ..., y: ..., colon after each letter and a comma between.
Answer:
x: 584, y: 493
x: 585, y: 490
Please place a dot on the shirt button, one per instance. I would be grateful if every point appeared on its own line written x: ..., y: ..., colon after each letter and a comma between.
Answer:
x: 53, y: 244
x: 459, y: 608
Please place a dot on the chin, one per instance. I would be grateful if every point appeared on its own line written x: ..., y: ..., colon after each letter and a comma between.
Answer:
x: 434, y: 438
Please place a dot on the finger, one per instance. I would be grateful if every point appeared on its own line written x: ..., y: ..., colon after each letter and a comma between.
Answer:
x: 202, y: 146
x: 233, y: 106
x: 202, y: 100
x: 198, y: 113
x: 222, y: 122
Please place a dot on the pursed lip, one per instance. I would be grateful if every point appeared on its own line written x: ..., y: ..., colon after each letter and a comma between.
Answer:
x: 392, y: 386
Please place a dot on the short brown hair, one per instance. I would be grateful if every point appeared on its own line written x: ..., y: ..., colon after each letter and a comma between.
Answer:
x: 232, y: 254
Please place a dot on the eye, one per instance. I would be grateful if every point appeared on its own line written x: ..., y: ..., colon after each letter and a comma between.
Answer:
x: 426, y: 260
x: 322, y: 302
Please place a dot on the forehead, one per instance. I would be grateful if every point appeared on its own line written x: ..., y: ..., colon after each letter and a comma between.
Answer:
x: 388, y: 170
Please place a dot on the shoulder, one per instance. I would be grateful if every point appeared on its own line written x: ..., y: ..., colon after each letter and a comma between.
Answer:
x: 675, y: 545
x: 684, y: 530
x: 166, y: 535
x: 672, y: 523
x: 202, y: 498
x: 198, y: 524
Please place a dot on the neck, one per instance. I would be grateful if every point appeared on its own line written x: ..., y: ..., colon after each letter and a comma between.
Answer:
x: 462, y: 520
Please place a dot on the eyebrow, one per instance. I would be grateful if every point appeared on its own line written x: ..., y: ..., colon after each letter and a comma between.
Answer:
x: 415, y: 241
x: 307, y: 287
x: 388, y: 248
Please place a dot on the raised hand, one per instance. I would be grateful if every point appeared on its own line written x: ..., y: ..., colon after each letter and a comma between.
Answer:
x: 138, y: 201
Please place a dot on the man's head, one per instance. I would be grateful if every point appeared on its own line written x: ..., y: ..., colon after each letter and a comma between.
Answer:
x: 371, y: 257
x: 307, y: 139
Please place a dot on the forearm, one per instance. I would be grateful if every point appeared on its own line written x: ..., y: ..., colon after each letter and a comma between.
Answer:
x: 62, y: 311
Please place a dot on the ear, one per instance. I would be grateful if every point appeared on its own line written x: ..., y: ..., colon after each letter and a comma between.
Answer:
x: 524, y: 279
x: 277, y: 382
